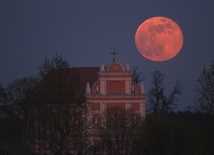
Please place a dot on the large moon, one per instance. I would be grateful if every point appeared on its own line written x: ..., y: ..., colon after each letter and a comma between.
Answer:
x: 159, y: 39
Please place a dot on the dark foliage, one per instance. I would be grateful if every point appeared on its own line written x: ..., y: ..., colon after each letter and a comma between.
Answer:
x: 57, y: 110
x: 3, y: 95
x: 162, y: 135
x: 118, y: 131
x: 202, y: 122
x: 19, y: 90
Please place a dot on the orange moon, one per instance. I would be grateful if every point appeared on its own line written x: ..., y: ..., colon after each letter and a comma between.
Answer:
x: 159, y: 39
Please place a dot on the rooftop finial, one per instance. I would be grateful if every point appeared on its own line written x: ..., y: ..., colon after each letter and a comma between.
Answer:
x: 88, y: 89
x: 114, y: 53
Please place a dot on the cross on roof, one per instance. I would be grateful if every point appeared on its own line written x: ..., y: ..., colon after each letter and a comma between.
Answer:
x: 114, y: 53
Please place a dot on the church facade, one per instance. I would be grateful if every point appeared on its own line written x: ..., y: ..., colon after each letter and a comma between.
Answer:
x: 114, y: 87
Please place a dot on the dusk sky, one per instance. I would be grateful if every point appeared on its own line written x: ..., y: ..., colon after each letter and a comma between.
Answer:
x: 86, y: 32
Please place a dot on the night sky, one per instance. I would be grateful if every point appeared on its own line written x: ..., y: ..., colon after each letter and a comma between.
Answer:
x: 86, y: 32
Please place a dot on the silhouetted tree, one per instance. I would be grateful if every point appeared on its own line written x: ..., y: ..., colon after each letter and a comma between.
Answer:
x: 10, y: 136
x: 5, y: 109
x: 159, y: 101
x: 3, y: 95
x: 137, y: 76
x: 118, y: 131
x: 57, y: 62
x: 205, y: 91
x: 203, y: 122
x: 60, y: 110
x: 161, y: 135
x: 10, y: 126
x: 19, y: 90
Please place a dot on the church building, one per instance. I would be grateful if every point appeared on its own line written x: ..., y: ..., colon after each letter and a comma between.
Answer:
x: 114, y: 87
x: 105, y: 87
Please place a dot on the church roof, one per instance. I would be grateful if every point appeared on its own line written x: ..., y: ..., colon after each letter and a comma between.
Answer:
x: 88, y: 74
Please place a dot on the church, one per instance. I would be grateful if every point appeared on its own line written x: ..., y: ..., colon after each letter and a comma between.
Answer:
x: 105, y: 87
x: 112, y: 86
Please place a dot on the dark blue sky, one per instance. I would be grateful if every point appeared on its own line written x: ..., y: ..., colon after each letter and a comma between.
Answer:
x: 85, y: 32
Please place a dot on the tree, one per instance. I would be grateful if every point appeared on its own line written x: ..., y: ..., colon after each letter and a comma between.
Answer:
x: 5, y: 109
x: 10, y: 128
x: 204, y: 101
x: 59, y: 111
x: 159, y: 101
x: 3, y: 95
x: 118, y: 131
x: 162, y: 135
x: 57, y: 62
x: 137, y: 76
x: 19, y: 90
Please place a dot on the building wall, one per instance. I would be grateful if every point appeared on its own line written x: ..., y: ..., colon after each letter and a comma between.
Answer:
x: 115, y: 88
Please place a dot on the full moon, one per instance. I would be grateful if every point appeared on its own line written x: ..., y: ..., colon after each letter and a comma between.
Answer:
x: 159, y: 39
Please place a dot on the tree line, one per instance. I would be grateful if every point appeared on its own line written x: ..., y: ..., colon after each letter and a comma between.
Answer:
x: 49, y: 114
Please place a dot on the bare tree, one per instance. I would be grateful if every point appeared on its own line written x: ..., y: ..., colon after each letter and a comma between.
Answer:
x: 59, y: 110
x: 119, y: 130
x: 204, y: 101
x: 137, y: 76
x: 159, y: 101
x: 19, y: 91
x: 56, y: 62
